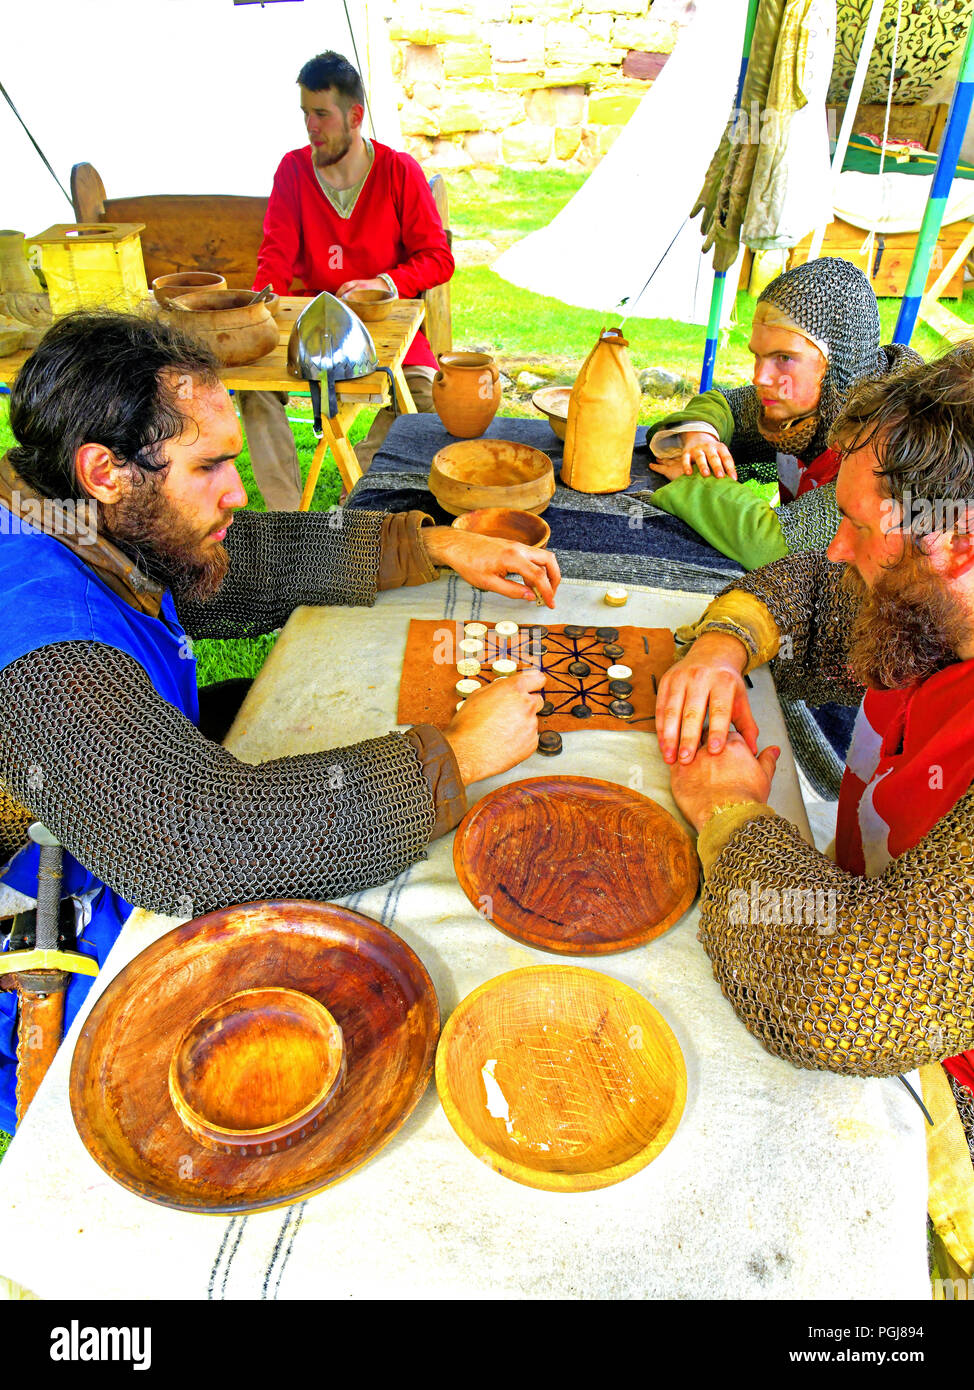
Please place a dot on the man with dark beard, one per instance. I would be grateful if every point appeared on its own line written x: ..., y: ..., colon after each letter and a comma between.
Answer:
x: 885, y: 981
x: 345, y: 212
x: 123, y: 419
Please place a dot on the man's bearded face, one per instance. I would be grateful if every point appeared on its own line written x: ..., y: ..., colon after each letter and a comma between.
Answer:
x: 165, y: 541
x: 909, y: 624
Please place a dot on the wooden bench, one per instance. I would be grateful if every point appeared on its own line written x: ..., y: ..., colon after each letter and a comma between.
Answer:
x: 222, y: 232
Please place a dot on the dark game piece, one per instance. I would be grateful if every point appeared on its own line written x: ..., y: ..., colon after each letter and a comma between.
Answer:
x: 620, y: 689
x: 537, y: 632
x: 622, y: 709
x: 579, y: 668
x: 573, y: 630
x: 614, y: 650
x: 546, y: 709
x: 607, y: 634
x: 549, y: 743
x: 581, y: 711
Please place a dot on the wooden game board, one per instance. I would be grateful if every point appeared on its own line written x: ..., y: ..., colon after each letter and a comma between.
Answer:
x: 427, y: 690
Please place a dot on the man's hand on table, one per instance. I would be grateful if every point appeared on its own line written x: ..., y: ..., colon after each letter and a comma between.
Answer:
x: 707, y: 680
x: 713, y: 780
x: 375, y: 284
x: 497, y: 728
x: 700, y: 450
x: 486, y: 562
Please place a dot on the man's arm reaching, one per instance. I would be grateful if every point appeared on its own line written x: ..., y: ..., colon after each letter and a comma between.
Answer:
x: 164, y: 816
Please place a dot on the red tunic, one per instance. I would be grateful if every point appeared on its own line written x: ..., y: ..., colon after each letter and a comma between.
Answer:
x: 394, y: 230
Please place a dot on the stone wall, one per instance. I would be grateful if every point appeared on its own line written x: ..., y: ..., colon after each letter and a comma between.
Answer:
x: 525, y: 83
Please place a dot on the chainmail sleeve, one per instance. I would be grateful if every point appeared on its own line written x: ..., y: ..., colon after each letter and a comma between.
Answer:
x: 279, y: 560
x: 864, y: 976
x: 175, y: 823
x: 814, y: 617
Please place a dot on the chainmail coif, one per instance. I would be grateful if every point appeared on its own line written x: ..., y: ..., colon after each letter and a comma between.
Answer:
x: 172, y: 821
x: 872, y: 976
x: 831, y: 299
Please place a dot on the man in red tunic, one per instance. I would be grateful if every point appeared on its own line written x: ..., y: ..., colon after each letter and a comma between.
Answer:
x: 344, y: 212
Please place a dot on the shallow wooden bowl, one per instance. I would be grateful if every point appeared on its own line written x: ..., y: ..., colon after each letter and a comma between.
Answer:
x: 370, y: 305
x: 575, y: 865
x: 371, y: 983
x: 478, y: 473
x: 168, y: 287
x: 560, y: 1078
x: 256, y: 1068
x: 506, y: 524
x: 552, y: 401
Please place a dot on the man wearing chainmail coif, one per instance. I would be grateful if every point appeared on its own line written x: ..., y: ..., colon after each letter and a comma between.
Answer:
x: 879, y: 977
x: 814, y: 334
x: 127, y: 423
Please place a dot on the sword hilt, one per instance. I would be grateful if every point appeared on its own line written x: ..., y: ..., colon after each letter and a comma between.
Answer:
x: 48, y: 886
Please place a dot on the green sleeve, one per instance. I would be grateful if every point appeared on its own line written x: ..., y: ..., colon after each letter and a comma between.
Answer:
x: 711, y: 408
x: 728, y: 515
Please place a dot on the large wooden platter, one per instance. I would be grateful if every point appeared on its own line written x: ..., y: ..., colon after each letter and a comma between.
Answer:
x: 575, y: 865
x: 561, y: 1078
x: 374, y: 986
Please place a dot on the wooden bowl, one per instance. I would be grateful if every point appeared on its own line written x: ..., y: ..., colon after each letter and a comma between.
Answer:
x: 371, y: 983
x: 478, y: 473
x: 255, y: 1069
x: 168, y: 287
x: 370, y: 305
x: 552, y: 401
x: 560, y: 1078
x: 575, y: 865
x: 230, y: 324
x: 506, y: 524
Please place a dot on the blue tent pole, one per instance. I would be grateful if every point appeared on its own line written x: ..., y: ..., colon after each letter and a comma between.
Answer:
x: 720, y: 276
x: 933, y: 216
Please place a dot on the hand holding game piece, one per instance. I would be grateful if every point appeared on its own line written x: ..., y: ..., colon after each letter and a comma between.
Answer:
x: 485, y: 562
x: 497, y: 728
x: 722, y: 779
x: 707, y: 679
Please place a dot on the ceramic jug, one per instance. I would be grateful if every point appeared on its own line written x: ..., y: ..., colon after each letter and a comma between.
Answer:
x: 602, y: 413
x: 466, y: 392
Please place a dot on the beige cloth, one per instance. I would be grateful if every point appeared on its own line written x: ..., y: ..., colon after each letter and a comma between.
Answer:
x: 273, y: 455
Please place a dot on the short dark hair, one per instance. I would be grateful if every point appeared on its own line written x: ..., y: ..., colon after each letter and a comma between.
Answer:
x: 331, y: 70
x: 920, y: 422
x: 101, y: 378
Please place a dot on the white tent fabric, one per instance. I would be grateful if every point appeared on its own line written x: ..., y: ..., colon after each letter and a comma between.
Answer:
x: 193, y: 96
x: 892, y: 203
x: 604, y: 244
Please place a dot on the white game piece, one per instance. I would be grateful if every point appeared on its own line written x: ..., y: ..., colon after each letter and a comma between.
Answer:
x: 459, y: 705
x: 471, y: 646
x: 475, y: 629
x: 506, y: 629
x: 468, y: 667
x: 503, y: 667
x: 618, y: 673
x: 467, y: 687
x: 616, y: 597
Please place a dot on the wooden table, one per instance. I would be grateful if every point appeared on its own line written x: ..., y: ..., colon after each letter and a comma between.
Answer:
x: 778, y: 1183
x: 392, y: 337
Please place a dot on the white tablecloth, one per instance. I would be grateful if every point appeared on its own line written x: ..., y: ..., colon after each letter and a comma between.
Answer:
x: 778, y: 1183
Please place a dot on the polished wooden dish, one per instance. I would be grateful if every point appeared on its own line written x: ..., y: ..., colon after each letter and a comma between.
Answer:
x: 478, y: 473
x: 168, y: 287
x: 506, y: 524
x: 255, y: 1069
x: 234, y: 326
x: 552, y: 401
x: 561, y: 1078
x: 575, y: 865
x: 372, y: 306
x: 371, y: 983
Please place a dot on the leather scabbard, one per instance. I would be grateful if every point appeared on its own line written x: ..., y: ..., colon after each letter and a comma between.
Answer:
x: 40, y: 1024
